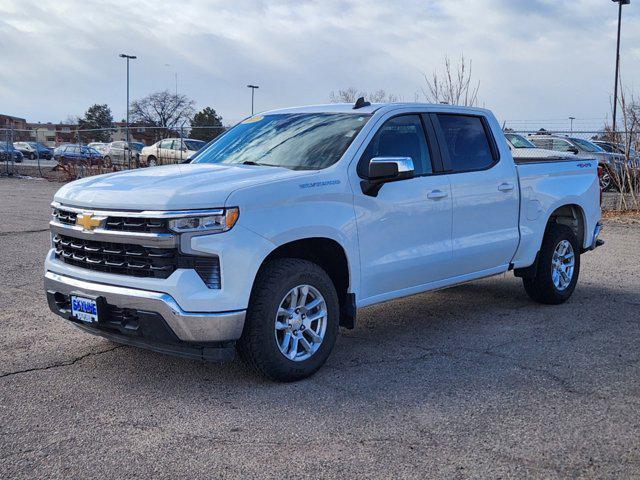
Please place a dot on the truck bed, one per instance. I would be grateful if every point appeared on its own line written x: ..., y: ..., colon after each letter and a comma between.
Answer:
x: 545, y: 185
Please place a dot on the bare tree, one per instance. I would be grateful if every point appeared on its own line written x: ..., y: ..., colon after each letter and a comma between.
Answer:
x: 351, y: 94
x: 455, y: 86
x: 163, y: 109
x: 626, y: 175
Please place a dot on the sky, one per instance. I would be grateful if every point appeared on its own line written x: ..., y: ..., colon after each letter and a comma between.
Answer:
x: 538, y: 61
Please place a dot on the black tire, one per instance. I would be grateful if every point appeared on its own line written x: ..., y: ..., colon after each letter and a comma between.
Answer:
x: 32, y: 156
x: 257, y: 346
x: 541, y: 287
x: 151, y: 161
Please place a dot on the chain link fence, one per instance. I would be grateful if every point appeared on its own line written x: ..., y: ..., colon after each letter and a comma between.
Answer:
x: 61, y: 152
x: 618, y: 156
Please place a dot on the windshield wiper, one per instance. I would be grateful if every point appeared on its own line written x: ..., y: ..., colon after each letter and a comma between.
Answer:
x: 251, y: 162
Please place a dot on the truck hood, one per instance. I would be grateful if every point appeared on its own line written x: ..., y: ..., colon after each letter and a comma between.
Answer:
x: 172, y: 187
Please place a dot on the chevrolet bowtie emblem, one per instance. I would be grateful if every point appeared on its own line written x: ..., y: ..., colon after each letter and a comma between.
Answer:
x: 88, y: 222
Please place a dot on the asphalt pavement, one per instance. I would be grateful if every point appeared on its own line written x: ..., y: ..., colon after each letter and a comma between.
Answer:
x: 476, y: 381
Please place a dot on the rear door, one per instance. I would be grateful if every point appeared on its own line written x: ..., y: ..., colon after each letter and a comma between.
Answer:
x: 404, y: 232
x: 484, y: 188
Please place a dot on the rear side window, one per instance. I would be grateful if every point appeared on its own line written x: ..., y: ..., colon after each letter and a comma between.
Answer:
x: 543, y: 143
x: 401, y: 136
x: 467, y: 142
x: 562, y: 145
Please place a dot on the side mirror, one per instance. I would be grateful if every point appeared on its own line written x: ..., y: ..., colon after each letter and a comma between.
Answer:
x: 383, y: 170
x: 573, y: 150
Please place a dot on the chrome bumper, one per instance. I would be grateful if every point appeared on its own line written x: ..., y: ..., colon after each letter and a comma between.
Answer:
x: 187, y: 326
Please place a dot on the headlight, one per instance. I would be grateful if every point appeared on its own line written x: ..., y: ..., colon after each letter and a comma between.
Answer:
x: 207, y: 223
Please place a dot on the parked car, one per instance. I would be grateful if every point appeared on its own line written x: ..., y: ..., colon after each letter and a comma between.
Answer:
x: 117, y: 153
x: 9, y: 153
x: 612, y: 163
x: 34, y: 150
x: 170, y: 150
x: 73, y: 154
x: 99, y: 146
x: 618, y: 148
x: 522, y: 148
x: 288, y: 223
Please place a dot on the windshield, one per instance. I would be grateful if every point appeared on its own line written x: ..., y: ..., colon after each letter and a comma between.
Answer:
x: 298, y: 141
x: 518, y: 141
x: 586, y: 145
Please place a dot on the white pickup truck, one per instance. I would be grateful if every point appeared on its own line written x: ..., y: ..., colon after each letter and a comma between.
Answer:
x: 289, y: 222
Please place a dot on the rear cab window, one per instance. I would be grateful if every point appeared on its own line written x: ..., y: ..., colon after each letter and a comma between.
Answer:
x: 468, y: 142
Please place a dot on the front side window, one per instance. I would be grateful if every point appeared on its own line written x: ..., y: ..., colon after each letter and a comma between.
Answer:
x: 297, y: 141
x: 166, y: 144
x: 466, y: 142
x: 401, y: 136
x: 587, y: 145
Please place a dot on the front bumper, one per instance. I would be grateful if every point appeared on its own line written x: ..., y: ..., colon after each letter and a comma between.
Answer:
x: 148, y: 319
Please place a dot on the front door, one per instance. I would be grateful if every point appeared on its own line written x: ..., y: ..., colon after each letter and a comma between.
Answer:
x: 405, y: 231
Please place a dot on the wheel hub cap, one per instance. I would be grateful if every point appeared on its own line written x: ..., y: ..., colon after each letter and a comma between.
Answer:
x: 562, y: 265
x: 301, y: 323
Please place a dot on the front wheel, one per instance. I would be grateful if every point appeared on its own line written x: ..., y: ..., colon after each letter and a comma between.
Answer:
x: 292, y: 320
x: 558, y: 267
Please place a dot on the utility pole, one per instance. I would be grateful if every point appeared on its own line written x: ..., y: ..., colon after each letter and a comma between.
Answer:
x: 615, y: 87
x: 128, y: 57
x: 253, y: 89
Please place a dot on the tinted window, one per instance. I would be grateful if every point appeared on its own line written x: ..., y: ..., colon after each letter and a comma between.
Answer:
x: 466, y: 142
x: 399, y: 137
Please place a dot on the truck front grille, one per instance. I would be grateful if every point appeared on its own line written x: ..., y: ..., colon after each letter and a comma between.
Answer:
x: 120, y: 258
x: 122, y: 224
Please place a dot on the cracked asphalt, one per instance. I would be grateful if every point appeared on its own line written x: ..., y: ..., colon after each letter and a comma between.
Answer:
x: 475, y: 381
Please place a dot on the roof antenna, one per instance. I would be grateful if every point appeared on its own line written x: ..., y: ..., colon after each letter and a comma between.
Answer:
x: 361, y: 103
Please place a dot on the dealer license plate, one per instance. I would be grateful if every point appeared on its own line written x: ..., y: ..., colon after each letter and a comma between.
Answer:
x: 84, y: 309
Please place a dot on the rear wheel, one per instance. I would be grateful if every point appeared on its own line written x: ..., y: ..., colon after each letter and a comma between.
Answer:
x: 558, y: 267
x: 292, y: 320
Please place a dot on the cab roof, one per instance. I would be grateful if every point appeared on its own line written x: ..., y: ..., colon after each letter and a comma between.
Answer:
x: 374, y: 107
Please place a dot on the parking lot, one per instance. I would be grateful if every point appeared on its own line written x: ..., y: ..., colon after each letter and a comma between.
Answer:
x: 474, y: 381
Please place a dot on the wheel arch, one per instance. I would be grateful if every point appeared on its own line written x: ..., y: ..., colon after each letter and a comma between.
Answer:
x: 332, y: 257
x: 573, y: 216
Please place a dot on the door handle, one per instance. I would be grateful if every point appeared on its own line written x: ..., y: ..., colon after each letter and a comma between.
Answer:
x: 506, y: 187
x: 436, y: 194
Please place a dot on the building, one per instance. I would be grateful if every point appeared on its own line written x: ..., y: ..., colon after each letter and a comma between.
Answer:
x: 13, y: 128
x: 137, y: 133
x: 53, y: 134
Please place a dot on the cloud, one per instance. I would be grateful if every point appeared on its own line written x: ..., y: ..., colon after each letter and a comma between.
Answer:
x: 534, y: 58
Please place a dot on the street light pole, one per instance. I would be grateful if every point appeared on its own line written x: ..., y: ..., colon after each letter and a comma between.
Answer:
x: 253, y: 89
x: 615, y: 87
x: 128, y: 57
x: 571, y: 119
